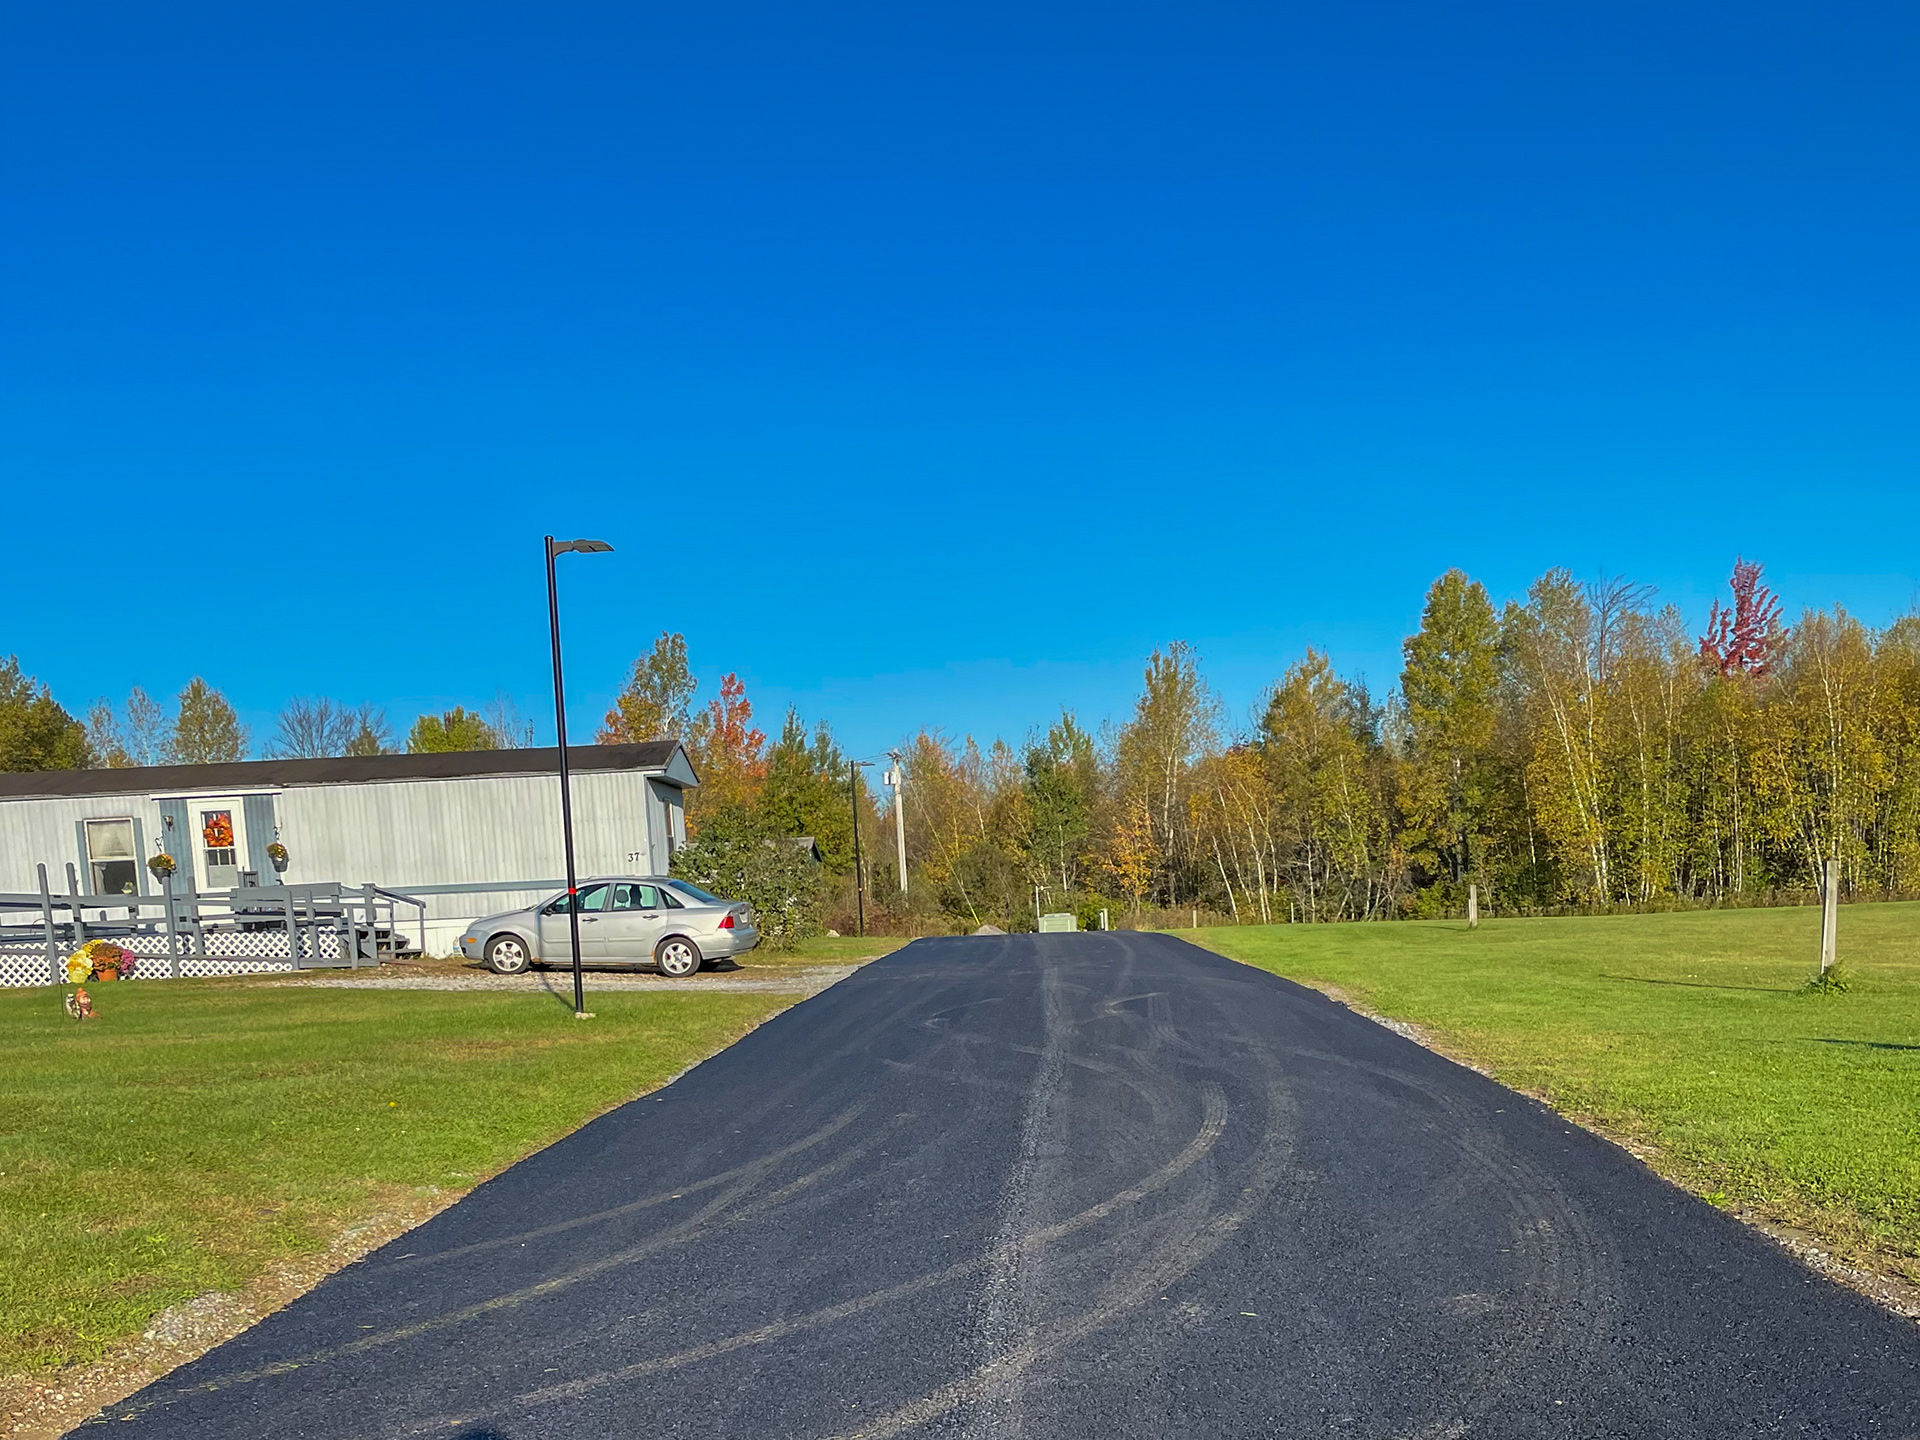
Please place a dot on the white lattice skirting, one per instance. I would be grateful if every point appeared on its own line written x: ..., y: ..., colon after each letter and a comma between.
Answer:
x: 227, y: 952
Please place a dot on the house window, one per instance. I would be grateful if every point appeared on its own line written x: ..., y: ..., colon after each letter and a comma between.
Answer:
x: 219, y: 851
x: 111, y: 864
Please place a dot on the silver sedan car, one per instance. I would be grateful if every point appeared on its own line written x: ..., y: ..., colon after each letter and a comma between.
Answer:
x: 624, y: 920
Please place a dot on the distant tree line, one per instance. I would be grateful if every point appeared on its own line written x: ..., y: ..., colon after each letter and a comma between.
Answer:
x: 1576, y: 748
x: 201, y: 727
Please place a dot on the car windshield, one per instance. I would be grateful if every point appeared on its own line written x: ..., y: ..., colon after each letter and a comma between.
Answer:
x: 696, y: 892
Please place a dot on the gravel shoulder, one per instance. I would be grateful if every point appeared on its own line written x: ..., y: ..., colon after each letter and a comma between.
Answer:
x: 782, y: 979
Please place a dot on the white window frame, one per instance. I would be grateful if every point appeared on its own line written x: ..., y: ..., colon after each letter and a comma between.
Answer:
x: 133, y: 850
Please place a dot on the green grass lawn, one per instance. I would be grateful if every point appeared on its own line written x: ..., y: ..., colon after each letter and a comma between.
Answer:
x: 200, y: 1131
x: 1682, y: 1033
x: 827, y: 950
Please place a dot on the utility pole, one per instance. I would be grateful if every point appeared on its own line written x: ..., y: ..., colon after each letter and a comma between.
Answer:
x: 897, y: 781
x: 859, y: 880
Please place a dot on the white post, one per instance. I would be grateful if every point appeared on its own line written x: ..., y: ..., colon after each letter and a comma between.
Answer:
x: 1473, y: 907
x: 1829, y: 913
x: 1103, y: 917
x: 897, y: 781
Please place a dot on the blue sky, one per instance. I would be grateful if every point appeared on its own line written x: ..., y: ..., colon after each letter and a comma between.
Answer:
x: 929, y: 366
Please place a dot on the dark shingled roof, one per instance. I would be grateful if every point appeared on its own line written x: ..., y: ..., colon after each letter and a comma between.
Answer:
x: 344, y: 770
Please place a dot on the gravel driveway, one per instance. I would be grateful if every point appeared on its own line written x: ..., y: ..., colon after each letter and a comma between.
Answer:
x: 794, y: 979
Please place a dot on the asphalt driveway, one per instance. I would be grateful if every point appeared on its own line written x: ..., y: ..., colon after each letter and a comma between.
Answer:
x: 1074, y: 1186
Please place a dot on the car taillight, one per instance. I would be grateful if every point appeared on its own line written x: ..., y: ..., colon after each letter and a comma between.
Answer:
x: 726, y: 921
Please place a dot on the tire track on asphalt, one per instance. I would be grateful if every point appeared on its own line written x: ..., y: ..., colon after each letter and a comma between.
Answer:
x: 1211, y: 1128
x: 1002, y: 1306
x: 1563, y: 1263
x: 1160, y: 1270
x: 696, y: 1226
x: 696, y: 1187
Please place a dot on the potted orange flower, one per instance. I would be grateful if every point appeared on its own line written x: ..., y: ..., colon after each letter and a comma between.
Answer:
x: 100, y: 960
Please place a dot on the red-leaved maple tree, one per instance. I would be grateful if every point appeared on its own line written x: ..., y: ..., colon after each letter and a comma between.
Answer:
x: 1746, y: 638
x: 728, y: 751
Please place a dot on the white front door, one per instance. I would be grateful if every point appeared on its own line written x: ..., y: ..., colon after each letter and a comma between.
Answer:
x: 219, y: 842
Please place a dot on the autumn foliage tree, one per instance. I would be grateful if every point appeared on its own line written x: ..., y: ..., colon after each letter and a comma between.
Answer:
x: 1450, y: 692
x: 1745, y: 637
x: 728, y: 751
x: 1175, y: 725
x: 656, y: 702
x: 1133, y: 852
x: 1319, y: 739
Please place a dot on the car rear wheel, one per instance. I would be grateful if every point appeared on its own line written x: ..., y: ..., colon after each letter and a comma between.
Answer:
x: 507, y: 955
x: 677, y: 957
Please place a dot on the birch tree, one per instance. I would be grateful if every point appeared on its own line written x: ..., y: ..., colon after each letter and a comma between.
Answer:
x: 1175, y: 724
x: 1555, y: 643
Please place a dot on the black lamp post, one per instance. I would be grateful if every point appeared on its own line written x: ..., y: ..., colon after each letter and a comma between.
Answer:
x: 561, y: 547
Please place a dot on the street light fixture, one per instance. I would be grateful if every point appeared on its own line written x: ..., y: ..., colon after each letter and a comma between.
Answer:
x: 561, y: 547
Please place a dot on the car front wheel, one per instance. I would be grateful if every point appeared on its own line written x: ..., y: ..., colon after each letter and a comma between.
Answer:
x: 677, y: 957
x: 507, y: 955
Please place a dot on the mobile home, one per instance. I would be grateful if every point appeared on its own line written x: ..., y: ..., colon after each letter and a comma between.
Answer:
x: 469, y: 832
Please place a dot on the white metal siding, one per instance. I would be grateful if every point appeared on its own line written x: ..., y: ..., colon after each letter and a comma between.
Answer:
x: 42, y: 832
x: 451, y: 832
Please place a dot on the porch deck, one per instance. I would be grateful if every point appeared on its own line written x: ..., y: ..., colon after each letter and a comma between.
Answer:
x: 247, y: 930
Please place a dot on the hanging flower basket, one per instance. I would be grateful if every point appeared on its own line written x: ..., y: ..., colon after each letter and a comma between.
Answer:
x: 161, y: 865
x: 277, y: 853
x: 101, y: 960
